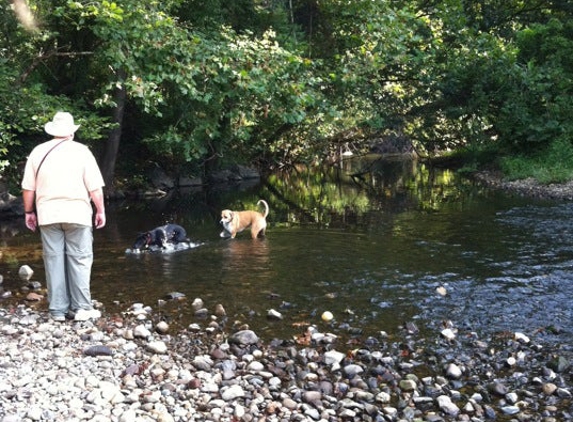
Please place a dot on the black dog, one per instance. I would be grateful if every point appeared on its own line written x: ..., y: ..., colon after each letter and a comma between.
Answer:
x: 161, y: 236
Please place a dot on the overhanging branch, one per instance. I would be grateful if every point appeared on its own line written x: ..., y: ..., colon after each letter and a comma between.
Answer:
x: 44, y: 57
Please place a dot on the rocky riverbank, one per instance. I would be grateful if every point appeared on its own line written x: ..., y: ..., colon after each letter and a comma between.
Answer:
x: 526, y: 187
x: 130, y: 367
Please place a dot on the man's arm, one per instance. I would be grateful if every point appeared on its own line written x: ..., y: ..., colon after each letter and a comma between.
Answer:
x: 98, y: 200
x: 28, y: 196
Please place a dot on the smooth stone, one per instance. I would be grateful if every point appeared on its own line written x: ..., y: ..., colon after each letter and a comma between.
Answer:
x: 333, y: 357
x: 162, y: 327
x: 25, y: 272
x: 141, y: 331
x: 446, y: 404
x: 203, y: 363
x: 158, y: 347
x: 453, y: 371
x: 353, y: 369
x: 243, y: 337
x: 232, y: 393
x: 197, y: 304
x: 510, y: 410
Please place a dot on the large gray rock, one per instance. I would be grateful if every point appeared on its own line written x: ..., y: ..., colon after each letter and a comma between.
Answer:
x: 160, y: 179
x: 244, y: 338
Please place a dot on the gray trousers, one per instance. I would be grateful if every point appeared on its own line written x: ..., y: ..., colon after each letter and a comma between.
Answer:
x: 68, y: 257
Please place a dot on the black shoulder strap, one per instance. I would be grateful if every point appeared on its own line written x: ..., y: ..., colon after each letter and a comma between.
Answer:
x: 43, y: 158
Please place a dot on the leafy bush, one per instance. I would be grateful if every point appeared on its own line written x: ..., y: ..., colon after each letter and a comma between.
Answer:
x: 553, y: 164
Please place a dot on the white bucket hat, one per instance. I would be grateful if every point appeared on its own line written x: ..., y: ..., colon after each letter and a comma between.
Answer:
x: 62, y: 125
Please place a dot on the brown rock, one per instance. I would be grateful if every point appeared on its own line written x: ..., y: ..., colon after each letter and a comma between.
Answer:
x: 34, y: 297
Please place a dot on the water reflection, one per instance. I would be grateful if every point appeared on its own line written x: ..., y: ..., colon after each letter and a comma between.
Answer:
x: 370, y: 241
x: 247, y: 254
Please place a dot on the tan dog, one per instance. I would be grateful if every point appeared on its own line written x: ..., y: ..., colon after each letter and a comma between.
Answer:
x: 236, y: 221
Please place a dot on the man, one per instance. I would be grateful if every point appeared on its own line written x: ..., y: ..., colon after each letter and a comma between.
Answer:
x: 60, y: 178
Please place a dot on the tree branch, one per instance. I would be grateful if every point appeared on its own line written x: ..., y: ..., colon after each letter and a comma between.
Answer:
x: 44, y: 57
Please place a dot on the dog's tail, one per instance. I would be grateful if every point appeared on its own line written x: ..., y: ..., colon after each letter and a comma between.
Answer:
x: 262, y: 201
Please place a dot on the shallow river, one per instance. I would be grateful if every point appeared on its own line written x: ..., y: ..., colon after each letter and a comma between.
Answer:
x: 373, y: 248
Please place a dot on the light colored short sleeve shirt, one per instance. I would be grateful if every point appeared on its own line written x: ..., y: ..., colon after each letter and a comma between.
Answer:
x: 63, y: 183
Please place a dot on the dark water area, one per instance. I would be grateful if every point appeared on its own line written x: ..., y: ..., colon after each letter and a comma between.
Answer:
x: 370, y: 241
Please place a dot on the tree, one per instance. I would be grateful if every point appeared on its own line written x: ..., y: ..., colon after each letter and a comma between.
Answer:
x: 193, y: 87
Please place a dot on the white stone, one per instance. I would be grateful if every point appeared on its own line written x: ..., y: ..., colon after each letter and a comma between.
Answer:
x: 117, y: 398
x: 197, y: 304
x: 441, y: 290
x: 154, y: 397
x: 332, y: 356
x: 521, y: 337
x: 162, y: 327
x: 383, y: 397
x: 34, y: 413
x: 157, y: 347
x: 25, y: 273
x: 255, y: 366
x: 76, y: 403
x: 453, y: 371
x: 446, y: 404
x: 233, y: 392
x: 274, y: 314
x: 512, y: 397
x: 164, y: 416
x: 239, y: 411
x: 448, y: 334
x: 141, y: 332
x: 128, y: 416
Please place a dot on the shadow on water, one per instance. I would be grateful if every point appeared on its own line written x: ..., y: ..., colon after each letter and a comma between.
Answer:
x: 371, y: 241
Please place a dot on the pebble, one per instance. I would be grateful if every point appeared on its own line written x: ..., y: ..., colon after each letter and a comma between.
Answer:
x: 25, y: 273
x: 453, y: 371
x: 104, y: 371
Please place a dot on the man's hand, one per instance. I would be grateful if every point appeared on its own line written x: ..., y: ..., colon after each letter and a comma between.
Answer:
x: 99, y: 220
x: 31, y: 221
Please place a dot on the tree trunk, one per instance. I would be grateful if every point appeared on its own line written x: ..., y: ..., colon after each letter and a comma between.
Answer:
x: 109, y: 155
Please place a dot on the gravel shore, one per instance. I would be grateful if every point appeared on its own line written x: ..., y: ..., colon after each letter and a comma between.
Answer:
x: 131, y: 367
x: 526, y: 187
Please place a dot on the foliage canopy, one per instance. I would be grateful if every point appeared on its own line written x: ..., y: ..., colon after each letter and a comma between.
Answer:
x: 194, y: 88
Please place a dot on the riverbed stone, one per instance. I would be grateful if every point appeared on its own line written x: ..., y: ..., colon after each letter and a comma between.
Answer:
x: 353, y: 370
x: 25, y: 273
x: 244, y: 337
x: 157, y: 347
x: 445, y: 403
x: 453, y: 371
x: 141, y: 331
x: 332, y: 357
x: 232, y: 393
x: 162, y: 327
x: 408, y: 385
x: 204, y: 377
x: 498, y: 389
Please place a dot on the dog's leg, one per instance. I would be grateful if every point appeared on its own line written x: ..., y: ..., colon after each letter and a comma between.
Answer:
x: 163, y: 238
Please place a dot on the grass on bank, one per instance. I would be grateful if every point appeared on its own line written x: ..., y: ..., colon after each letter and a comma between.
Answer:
x: 553, y: 164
